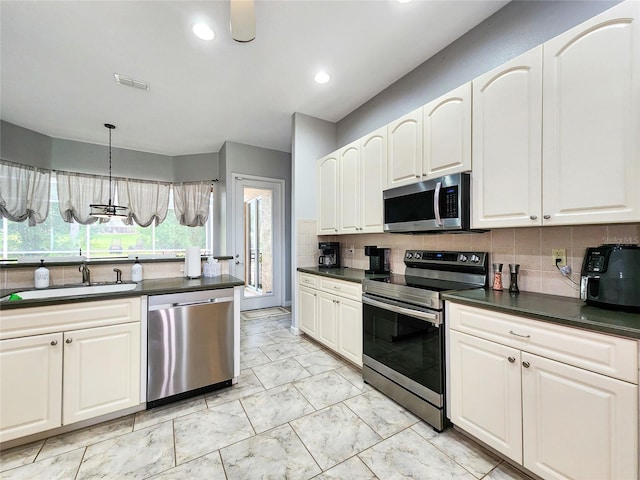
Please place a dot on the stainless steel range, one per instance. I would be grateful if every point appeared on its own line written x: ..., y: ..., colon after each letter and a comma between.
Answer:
x: 403, y: 325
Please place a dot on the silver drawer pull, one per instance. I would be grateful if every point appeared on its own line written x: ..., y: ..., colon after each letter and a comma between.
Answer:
x: 526, y: 364
x: 511, y: 359
x: 518, y: 335
x: 54, y: 343
x: 68, y: 340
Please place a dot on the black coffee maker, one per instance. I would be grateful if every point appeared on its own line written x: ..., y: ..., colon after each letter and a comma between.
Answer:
x: 378, y: 259
x: 330, y: 257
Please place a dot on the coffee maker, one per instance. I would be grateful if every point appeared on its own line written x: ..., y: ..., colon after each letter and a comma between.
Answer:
x: 330, y: 257
x: 378, y: 259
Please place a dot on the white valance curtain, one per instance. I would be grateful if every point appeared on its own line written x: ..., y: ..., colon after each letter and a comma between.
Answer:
x: 147, y: 201
x: 191, y: 202
x: 76, y: 192
x: 24, y: 193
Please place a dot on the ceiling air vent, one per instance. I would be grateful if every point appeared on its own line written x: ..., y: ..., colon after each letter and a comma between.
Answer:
x: 131, y: 82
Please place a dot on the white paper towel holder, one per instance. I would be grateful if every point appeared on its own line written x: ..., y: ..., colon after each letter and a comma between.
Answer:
x: 192, y: 263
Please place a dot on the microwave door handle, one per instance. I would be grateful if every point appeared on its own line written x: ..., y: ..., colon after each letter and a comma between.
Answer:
x: 436, y: 204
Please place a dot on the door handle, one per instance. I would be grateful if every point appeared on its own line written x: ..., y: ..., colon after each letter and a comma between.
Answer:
x: 436, y: 204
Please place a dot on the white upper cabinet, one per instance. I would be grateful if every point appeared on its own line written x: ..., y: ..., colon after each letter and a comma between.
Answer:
x: 373, y: 161
x: 404, y: 160
x: 447, y: 134
x: 349, y: 191
x: 507, y: 144
x: 327, y: 176
x: 591, y: 162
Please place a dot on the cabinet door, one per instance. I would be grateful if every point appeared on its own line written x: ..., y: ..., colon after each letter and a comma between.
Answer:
x: 328, y: 320
x: 485, y: 392
x: 350, y: 330
x: 349, y: 191
x: 31, y: 379
x: 447, y: 134
x: 328, y: 195
x: 507, y: 144
x: 308, y: 300
x: 373, y: 177
x: 101, y: 371
x: 592, y: 119
x: 404, y: 137
x: 578, y: 424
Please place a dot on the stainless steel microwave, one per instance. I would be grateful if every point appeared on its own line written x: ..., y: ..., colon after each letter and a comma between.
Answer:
x: 432, y: 206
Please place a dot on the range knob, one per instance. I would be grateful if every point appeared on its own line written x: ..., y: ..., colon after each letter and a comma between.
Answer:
x: 462, y: 257
x: 409, y: 255
x: 417, y: 256
x: 475, y: 258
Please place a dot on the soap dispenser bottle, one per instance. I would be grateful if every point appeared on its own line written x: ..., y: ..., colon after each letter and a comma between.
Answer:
x: 136, y: 271
x: 41, y: 276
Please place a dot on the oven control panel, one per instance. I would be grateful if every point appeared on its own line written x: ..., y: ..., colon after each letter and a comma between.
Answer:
x: 431, y: 257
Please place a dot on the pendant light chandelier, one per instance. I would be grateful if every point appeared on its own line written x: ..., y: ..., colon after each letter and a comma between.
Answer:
x: 109, y: 210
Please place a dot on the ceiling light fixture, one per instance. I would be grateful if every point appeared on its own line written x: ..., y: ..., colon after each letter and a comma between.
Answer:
x: 203, y: 31
x: 322, y: 77
x: 403, y: 1
x: 109, y: 210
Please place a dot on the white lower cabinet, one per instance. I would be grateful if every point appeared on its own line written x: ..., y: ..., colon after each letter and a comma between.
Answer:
x: 331, y: 313
x: 31, y: 379
x: 101, y: 371
x: 557, y: 420
x: 53, y: 372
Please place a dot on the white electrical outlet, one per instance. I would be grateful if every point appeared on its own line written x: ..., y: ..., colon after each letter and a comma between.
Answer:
x: 561, y: 254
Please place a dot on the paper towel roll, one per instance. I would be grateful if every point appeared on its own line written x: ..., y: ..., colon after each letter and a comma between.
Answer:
x: 193, y: 262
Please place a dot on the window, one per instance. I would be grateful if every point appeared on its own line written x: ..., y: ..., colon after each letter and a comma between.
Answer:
x: 55, y: 238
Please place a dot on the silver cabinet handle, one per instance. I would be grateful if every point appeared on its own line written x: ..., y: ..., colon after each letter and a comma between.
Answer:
x: 68, y: 340
x: 54, y: 343
x: 533, y: 217
x: 526, y: 364
x: 546, y: 217
x: 511, y: 359
x: 518, y: 335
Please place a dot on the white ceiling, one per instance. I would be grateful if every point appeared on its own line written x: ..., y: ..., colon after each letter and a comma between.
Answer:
x: 58, y: 59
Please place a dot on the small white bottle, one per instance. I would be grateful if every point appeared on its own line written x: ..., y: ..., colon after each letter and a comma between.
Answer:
x: 41, y: 276
x: 136, y: 271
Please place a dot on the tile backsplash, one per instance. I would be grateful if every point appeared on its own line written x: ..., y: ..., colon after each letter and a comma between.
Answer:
x: 23, y: 277
x: 530, y: 247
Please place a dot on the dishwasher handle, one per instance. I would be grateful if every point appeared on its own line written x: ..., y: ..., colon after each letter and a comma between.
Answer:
x: 166, y: 306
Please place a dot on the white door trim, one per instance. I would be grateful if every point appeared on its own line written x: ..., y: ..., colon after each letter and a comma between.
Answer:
x: 279, y: 230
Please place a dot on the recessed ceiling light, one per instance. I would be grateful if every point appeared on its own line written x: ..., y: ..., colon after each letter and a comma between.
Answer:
x: 203, y: 31
x: 322, y: 77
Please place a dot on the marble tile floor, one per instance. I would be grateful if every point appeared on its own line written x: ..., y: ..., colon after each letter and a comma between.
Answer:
x: 297, y: 412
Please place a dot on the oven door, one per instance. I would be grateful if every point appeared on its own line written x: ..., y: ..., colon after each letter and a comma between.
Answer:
x: 405, y: 343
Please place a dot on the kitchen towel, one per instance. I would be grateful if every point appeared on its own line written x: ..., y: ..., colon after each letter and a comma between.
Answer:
x: 193, y: 262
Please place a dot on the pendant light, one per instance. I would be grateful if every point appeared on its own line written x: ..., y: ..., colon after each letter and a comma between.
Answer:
x: 110, y: 210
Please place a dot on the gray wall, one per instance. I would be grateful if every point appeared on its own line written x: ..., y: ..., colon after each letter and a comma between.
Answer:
x: 20, y: 145
x: 511, y: 31
x: 312, y: 139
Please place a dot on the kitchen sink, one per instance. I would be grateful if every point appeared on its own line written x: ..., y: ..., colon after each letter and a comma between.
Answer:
x: 72, y: 291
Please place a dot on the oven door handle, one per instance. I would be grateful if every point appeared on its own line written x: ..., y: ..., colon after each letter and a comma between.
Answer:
x: 429, y: 317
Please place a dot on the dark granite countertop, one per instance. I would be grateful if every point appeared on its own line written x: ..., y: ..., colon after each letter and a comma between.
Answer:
x: 157, y: 286
x: 552, y: 308
x: 348, y: 274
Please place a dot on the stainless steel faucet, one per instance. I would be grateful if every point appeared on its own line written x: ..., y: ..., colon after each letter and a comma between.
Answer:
x: 86, y: 274
x: 118, y: 275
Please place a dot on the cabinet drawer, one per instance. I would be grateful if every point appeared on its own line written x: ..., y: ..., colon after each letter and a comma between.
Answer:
x: 71, y: 316
x: 307, y: 279
x: 613, y: 356
x: 344, y: 289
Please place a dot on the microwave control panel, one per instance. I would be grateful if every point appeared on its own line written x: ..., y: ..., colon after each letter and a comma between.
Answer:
x: 449, y: 202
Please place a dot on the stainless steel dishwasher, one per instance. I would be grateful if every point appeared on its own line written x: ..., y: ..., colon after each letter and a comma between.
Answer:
x: 189, y: 344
